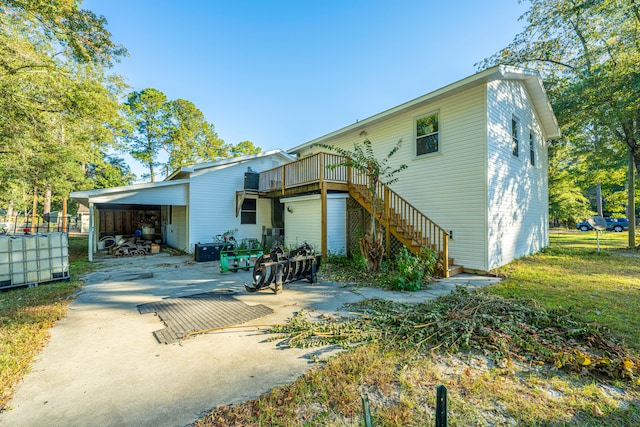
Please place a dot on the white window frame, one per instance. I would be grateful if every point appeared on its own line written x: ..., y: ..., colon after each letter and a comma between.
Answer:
x: 249, y: 211
x: 437, y: 133
x: 515, y: 136
x: 532, y: 148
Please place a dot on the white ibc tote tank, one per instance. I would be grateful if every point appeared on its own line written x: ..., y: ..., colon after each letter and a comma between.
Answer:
x: 34, y: 259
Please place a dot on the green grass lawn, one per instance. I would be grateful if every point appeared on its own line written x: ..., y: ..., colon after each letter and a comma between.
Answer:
x: 601, y: 287
x: 609, y: 240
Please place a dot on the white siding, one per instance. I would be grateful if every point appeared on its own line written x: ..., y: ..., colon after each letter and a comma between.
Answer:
x: 449, y: 187
x: 336, y: 224
x: 517, y: 192
x: 213, y: 203
x: 177, y: 228
x: 302, y: 221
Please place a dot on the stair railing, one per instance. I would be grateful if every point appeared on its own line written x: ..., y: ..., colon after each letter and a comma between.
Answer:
x: 393, y: 210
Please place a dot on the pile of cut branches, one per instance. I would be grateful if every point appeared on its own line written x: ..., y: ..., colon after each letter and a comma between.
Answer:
x: 497, y: 327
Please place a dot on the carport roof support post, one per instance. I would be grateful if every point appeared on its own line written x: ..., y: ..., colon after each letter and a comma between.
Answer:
x: 91, y: 231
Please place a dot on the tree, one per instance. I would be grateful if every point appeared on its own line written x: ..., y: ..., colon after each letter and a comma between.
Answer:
x: 81, y: 33
x: 589, y: 53
x: 110, y: 171
x: 148, y: 115
x: 567, y: 202
x: 55, y: 97
x: 191, y: 138
x: 362, y: 159
x: 176, y: 127
x: 243, y: 148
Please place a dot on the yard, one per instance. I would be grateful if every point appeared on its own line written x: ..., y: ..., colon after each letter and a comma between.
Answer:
x: 596, y: 288
x: 600, y: 291
x: 26, y: 315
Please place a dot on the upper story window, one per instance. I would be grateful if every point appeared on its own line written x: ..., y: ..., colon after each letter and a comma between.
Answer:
x: 515, y: 137
x: 427, y: 135
x: 532, y: 149
x: 248, y: 212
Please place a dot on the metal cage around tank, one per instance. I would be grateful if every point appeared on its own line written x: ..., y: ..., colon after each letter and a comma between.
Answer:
x: 33, y: 259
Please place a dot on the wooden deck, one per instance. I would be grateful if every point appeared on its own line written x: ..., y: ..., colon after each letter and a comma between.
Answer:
x: 323, y: 172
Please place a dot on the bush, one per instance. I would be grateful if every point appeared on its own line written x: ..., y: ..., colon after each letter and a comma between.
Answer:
x: 412, y: 272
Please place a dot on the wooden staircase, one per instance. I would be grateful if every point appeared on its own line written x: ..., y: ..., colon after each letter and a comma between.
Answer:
x: 326, y: 171
x: 407, y: 224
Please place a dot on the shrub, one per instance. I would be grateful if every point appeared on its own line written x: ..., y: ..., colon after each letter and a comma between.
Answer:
x: 410, y: 271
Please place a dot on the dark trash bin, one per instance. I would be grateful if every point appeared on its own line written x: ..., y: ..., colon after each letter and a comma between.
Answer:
x: 210, y: 251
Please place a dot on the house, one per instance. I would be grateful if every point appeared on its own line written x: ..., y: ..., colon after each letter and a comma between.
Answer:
x: 475, y: 190
x: 192, y: 205
x: 476, y: 186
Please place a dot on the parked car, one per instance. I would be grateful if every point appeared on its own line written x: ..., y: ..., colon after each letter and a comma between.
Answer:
x: 584, y: 226
x: 617, y: 224
x: 613, y: 224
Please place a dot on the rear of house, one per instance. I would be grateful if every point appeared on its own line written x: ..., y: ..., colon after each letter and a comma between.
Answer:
x: 463, y: 170
x: 475, y: 188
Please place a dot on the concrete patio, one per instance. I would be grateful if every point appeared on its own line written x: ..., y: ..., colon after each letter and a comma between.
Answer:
x: 104, y: 367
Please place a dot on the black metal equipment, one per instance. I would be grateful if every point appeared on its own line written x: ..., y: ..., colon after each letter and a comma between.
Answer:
x: 278, y: 267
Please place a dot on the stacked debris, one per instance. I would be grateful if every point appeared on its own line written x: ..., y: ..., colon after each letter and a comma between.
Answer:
x: 131, y: 246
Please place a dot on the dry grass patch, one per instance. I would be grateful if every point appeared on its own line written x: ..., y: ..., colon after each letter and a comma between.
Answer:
x: 401, y: 388
x: 27, y: 315
x: 550, y: 355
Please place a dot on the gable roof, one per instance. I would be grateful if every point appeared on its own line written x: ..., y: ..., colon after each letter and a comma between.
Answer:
x: 113, y: 194
x: 186, y: 171
x: 530, y: 78
x: 181, y: 177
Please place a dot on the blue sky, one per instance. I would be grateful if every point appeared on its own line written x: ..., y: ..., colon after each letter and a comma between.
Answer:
x: 280, y: 73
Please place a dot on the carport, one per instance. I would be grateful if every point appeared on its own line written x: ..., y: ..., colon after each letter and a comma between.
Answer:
x: 159, y: 209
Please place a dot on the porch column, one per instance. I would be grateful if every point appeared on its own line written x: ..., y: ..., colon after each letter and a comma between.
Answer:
x: 323, y: 216
x: 387, y: 237
x: 91, y: 231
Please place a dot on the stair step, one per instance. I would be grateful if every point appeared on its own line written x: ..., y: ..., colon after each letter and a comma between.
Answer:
x: 455, y: 269
x: 404, y: 229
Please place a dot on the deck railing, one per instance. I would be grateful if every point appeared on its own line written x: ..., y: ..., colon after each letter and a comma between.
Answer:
x: 308, y: 170
x: 392, y: 209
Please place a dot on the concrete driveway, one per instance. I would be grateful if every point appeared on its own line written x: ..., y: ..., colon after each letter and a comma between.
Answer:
x: 103, y: 367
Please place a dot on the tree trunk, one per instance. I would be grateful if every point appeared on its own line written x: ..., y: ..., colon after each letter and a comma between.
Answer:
x: 47, y: 199
x: 373, y: 250
x: 631, y: 204
x: 152, y: 172
x: 599, y: 198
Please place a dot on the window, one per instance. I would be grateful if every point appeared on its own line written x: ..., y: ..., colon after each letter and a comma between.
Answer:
x: 532, y: 149
x: 515, y: 137
x: 248, y: 212
x: 427, y: 135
